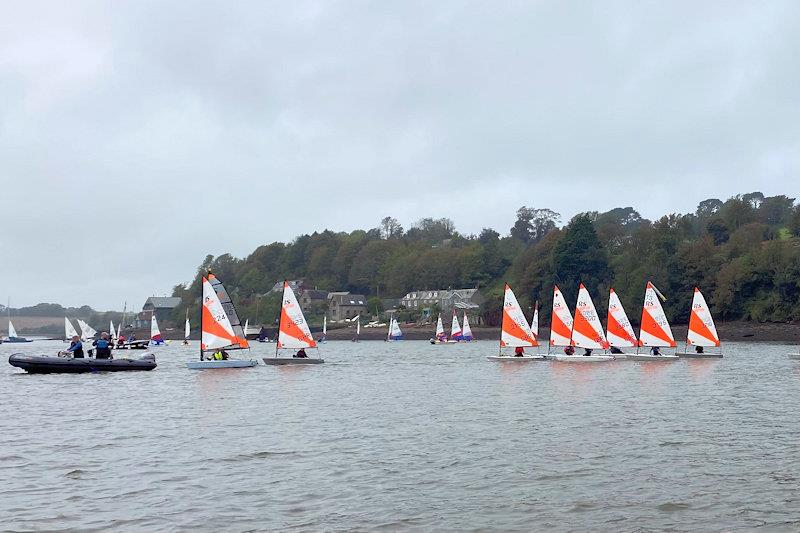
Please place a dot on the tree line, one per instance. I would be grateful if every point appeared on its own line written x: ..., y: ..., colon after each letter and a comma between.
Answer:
x: 744, y: 253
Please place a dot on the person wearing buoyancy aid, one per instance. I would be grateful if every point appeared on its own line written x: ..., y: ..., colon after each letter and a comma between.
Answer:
x: 220, y: 355
x: 103, y: 347
x: 76, y: 347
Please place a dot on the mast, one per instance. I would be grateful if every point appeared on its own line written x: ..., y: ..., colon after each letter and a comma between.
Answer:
x: 280, y: 316
x: 201, y: 314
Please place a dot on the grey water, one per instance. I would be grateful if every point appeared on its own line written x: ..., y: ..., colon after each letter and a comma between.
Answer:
x: 404, y: 437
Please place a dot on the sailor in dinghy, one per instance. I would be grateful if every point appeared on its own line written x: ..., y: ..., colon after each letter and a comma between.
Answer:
x: 293, y: 333
x: 515, y: 332
x: 220, y: 329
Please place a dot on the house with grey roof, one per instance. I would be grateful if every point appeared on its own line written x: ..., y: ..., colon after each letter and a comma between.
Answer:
x: 446, y: 300
x: 345, y: 306
x: 162, y: 306
x: 310, y: 297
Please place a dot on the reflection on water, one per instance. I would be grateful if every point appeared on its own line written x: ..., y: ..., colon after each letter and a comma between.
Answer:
x: 405, y: 436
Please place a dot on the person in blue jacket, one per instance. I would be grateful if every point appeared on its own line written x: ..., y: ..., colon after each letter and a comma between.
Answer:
x: 103, y: 347
x: 76, y: 347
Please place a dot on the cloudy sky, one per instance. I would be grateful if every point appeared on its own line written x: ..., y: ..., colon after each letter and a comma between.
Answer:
x: 137, y: 137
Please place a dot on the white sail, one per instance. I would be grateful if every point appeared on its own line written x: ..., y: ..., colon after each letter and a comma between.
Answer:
x: 11, y: 331
x: 87, y: 331
x: 111, y: 331
x: 619, y: 331
x: 440, y: 329
x: 187, y: 329
x: 293, y: 331
x: 455, y: 328
x: 358, y: 326
x: 515, y: 329
x: 395, y: 333
x: 535, y: 323
x: 702, y: 331
x: 655, y: 330
x: 560, y: 320
x: 466, y: 332
x: 119, y: 330
x: 219, y: 323
x: 69, y: 329
x: 246, y: 326
x: 587, y: 331
x: 324, y: 325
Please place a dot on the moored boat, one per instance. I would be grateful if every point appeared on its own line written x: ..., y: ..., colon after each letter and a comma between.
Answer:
x: 293, y: 333
x: 46, y: 364
x: 702, y: 332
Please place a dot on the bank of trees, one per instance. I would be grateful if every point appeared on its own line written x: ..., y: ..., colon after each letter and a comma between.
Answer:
x: 744, y: 252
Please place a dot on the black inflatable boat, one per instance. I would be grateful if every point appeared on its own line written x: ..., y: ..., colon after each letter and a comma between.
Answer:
x: 47, y: 364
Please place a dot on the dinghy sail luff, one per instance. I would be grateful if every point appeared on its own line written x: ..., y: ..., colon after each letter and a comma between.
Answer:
x: 535, y: 321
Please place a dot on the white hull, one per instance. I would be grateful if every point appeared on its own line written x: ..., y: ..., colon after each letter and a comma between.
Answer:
x: 292, y: 360
x: 795, y: 356
x: 584, y: 358
x: 213, y: 364
x: 653, y: 358
x: 515, y: 359
x: 695, y: 355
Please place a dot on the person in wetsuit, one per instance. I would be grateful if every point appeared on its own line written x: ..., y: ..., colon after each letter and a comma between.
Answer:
x: 569, y: 350
x: 698, y: 349
x: 301, y: 353
x: 519, y: 352
x: 587, y: 352
x: 103, y: 347
x: 614, y: 349
x: 655, y: 350
x: 76, y: 347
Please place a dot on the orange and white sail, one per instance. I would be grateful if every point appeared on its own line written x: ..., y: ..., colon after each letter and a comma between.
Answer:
x: 516, y: 331
x: 702, y: 331
x: 560, y: 320
x: 219, y: 323
x: 535, y: 322
x: 655, y: 330
x: 587, y: 331
x: 619, y: 331
x: 294, y: 331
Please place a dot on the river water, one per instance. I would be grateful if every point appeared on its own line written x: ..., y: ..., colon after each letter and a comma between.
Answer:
x: 405, y: 436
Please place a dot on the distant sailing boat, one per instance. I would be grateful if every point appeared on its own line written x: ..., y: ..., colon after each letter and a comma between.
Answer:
x: 702, y: 331
x: 466, y: 331
x: 293, y: 333
x: 112, y: 333
x: 358, y: 329
x: 155, y: 334
x: 535, y: 322
x: 587, y: 332
x: 654, y: 331
x: 12, y: 334
x: 439, y: 337
x: 560, y: 321
x: 69, y: 330
x: 187, y: 330
x: 324, y: 328
x: 87, y: 332
x: 220, y: 329
x: 455, y: 329
x: 515, y: 332
x: 394, y: 333
x: 619, y: 331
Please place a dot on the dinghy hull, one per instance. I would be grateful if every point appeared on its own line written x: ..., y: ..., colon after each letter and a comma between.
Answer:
x: 795, y: 356
x: 695, y: 355
x: 292, y: 360
x: 651, y: 358
x: 514, y: 359
x: 584, y: 358
x: 44, y: 364
x: 227, y: 363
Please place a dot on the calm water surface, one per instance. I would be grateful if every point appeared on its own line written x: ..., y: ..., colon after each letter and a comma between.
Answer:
x: 405, y: 436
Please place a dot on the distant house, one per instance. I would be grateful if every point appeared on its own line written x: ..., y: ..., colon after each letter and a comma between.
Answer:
x: 162, y: 306
x: 459, y: 299
x: 310, y: 297
x: 344, y: 306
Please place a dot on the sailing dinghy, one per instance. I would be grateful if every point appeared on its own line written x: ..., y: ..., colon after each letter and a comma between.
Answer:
x: 466, y: 330
x: 515, y: 332
x: 293, y: 333
x: 187, y: 330
x: 395, y: 333
x: 587, y: 332
x: 69, y: 330
x: 440, y: 337
x: 654, y: 330
x: 702, y: 331
x: 560, y: 322
x: 535, y: 322
x: 12, y: 335
x: 155, y: 333
x: 220, y: 329
x: 87, y: 332
x: 358, y: 329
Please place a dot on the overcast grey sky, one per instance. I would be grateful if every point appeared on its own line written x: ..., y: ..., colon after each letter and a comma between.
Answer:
x: 137, y: 137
